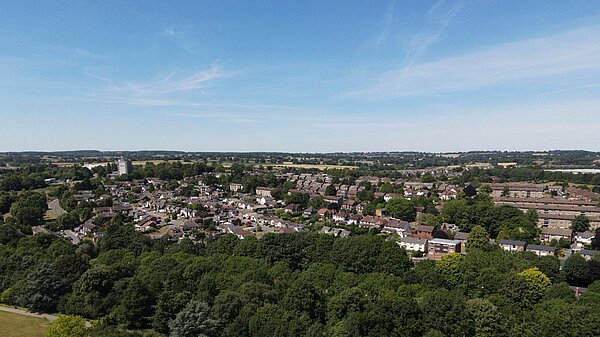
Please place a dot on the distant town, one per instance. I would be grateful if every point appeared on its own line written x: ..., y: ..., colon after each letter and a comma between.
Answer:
x: 179, y: 199
x: 121, y: 237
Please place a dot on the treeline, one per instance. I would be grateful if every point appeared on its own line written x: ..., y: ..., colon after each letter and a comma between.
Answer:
x: 295, y: 285
x: 32, y: 176
x: 526, y: 174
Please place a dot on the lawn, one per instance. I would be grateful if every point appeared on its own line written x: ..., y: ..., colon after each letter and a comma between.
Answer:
x: 14, y: 325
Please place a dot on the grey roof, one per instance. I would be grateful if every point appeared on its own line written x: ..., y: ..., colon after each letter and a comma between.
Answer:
x: 586, y: 234
x: 541, y: 248
x: 512, y: 242
x: 461, y: 236
x: 409, y: 239
x: 589, y: 252
x: 444, y: 241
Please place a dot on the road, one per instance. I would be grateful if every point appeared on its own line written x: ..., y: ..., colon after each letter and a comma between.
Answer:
x: 54, y: 206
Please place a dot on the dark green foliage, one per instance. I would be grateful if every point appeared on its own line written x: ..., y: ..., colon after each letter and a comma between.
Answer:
x: 401, y: 208
x: 294, y: 285
x: 193, y: 321
x: 42, y: 289
x: 29, y: 208
x: 577, y: 271
x: 581, y: 223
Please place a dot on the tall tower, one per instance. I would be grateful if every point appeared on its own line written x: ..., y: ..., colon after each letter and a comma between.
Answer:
x: 124, y: 166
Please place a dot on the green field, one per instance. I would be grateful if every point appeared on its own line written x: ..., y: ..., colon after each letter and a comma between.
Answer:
x: 14, y: 325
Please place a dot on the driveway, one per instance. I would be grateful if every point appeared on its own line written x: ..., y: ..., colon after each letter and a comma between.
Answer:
x: 54, y: 206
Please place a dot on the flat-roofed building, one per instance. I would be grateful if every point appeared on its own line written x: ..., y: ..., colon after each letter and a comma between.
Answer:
x: 436, y: 248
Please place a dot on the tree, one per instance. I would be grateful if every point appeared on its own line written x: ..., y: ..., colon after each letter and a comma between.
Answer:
x: 68, y: 326
x: 434, y: 221
x: 560, y: 291
x: 135, y: 308
x: 450, y: 267
x: 29, y: 208
x: 470, y: 191
x: 169, y: 305
x: 330, y: 190
x: 446, y: 310
x: 536, y: 285
x: 550, y: 266
x: 193, y: 321
x: 401, y: 208
x: 392, y: 259
x: 486, y: 189
x: 581, y: 223
x: 577, y: 272
x: 485, y: 316
x: 302, y: 297
x: 478, y: 238
x: 596, y: 239
x: 42, y: 290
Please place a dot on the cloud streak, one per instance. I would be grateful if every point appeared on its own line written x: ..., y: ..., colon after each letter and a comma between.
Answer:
x: 559, y: 54
x: 173, y: 82
x: 437, y: 19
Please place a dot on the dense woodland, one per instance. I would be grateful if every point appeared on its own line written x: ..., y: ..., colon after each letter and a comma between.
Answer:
x: 296, y: 285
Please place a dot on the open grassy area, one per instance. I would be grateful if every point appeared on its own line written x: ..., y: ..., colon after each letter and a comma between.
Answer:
x: 14, y: 325
x: 50, y: 215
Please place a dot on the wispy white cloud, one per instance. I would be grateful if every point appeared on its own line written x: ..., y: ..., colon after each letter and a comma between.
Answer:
x: 559, y: 54
x: 388, y: 20
x: 437, y: 19
x: 175, y: 82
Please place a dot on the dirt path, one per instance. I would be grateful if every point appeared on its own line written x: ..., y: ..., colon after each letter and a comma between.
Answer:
x: 27, y: 313
x: 49, y: 317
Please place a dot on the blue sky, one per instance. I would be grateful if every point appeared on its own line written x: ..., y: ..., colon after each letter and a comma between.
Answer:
x: 300, y: 76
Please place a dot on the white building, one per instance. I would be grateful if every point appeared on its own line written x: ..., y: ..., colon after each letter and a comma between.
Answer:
x: 413, y: 244
x: 124, y: 166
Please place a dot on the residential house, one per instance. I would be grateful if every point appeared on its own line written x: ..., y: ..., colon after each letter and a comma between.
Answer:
x: 308, y: 212
x: 264, y: 191
x: 395, y: 226
x: 584, y: 238
x: 588, y: 254
x: 335, y: 231
x: 413, y: 244
x: 425, y: 231
x: 340, y: 217
x: 349, y: 205
x: 553, y: 233
x: 541, y: 250
x: 235, y: 187
x: 512, y: 245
